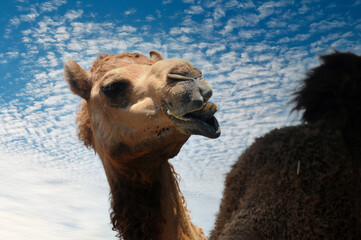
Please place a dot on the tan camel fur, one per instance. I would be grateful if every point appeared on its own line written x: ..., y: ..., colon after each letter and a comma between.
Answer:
x: 136, y: 114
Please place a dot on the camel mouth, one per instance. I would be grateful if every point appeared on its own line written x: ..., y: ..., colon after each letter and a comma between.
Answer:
x: 199, y: 121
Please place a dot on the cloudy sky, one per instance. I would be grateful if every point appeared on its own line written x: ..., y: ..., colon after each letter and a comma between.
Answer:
x: 252, y: 52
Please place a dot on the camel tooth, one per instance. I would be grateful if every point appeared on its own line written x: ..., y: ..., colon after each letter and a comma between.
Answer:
x: 210, y: 106
x: 207, y: 106
x: 214, y: 107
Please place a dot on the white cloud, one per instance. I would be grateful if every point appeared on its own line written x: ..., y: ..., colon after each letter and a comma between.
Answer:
x: 304, y: 9
x: 72, y: 14
x: 12, y: 54
x: 16, y: 21
x: 240, y: 21
x: 51, y: 5
x: 324, y: 25
x: 61, y: 34
x: 248, y: 34
x: 231, y: 4
x: 150, y: 18
x: 246, y: 4
x: 270, y: 8
x: 188, y: 21
x: 325, y: 40
x: 130, y: 11
x: 194, y: 10
x: 29, y: 17
x: 342, y: 43
x: 276, y: 23
x: 215, y: 49
x: 218, y: 13
x: 298, y: 37
x: 126, y: 28
x: 179, y: 30
x: 5, y: 57
x: 185, y: 39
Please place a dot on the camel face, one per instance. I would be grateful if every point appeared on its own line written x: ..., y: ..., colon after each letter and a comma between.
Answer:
x: 139, y: 106
x: 183, y: 96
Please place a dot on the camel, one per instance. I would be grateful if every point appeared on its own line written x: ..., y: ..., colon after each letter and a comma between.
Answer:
x: 298, y: 182
x: 303, y: 182
x: 137, y: 113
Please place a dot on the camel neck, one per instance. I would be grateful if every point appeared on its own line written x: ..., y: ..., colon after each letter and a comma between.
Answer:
x: 150, y: 206
x: 177, y: 221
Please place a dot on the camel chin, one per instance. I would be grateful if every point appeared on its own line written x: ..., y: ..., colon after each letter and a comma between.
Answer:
x: 198, y: 121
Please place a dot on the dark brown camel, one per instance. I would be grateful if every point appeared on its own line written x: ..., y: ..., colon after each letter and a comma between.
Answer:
x: 303, y: 182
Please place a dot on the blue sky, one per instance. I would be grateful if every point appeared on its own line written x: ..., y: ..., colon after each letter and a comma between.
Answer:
x: 253, y: 53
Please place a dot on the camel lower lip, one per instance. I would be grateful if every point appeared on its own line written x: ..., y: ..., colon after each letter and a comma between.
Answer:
x: 198, y: 122
x: 208, y: 127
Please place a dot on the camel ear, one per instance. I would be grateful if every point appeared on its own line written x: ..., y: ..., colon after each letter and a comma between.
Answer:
x: 78, y: 79
x: 155, y: 56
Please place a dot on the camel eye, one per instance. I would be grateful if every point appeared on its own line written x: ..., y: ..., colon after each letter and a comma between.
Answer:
x: 115, y: 89
x: 184, y: 74
x: 179, y: 77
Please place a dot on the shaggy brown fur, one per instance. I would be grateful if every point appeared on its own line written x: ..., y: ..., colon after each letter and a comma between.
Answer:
x: 333, y: 92
x: 136, y: 206
x: 303, y: 182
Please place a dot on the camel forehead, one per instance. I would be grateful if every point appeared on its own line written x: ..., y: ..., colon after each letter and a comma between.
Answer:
x: 172, y: 64
x: 129, y: 72
x: 106, y: 62
x: 132, y: 72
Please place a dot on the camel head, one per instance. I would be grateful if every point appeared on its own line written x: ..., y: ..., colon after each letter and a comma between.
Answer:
x: 134, y: 105
x: 332, y: 90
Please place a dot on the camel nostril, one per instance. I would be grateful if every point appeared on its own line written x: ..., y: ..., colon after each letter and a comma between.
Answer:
x: 207, y: 94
